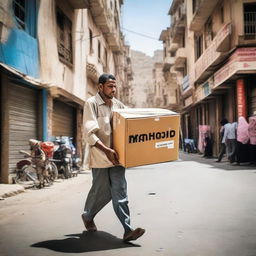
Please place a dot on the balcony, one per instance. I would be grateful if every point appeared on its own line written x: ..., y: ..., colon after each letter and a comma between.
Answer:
x: 114, y: 41
x: 178, y: 24
x: 92, y: 70
x: 164, y: 35
x: 173, y: 47
x: 102, y: 15
x: 202, y: 9
x: 180, y: 59
x: 213, y: 55
x: 79, y: 4
x: 104, y: 19
x: 168, y: 62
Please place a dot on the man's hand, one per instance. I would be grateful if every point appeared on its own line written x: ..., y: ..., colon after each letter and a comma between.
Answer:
x: 112, y: 156
x: 110, y: 153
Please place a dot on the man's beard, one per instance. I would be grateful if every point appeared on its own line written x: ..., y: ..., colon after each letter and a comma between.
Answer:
x: 109, y: 96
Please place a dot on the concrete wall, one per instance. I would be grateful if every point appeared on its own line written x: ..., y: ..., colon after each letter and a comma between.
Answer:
x: 69, y: 77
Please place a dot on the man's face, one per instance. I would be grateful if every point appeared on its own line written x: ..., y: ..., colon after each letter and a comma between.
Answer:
x: 108, y: 89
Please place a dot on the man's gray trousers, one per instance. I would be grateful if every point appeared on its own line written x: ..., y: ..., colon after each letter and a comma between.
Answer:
x: 108, y: 184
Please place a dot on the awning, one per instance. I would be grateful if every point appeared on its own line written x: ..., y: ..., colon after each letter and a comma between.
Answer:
x: 54, y: 90
x: 65, y: 96
x: 22, y: 76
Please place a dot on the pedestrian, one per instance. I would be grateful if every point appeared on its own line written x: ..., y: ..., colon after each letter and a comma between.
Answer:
x: 230, y: 140
x: 208, y: 147
x: 243, y: 147
x: 252, y: 136
x: 108, y: 175
x: 222, y: 144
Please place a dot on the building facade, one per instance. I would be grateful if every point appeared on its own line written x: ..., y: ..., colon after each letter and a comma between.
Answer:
x: 215, y: 61
x: 51, y: 54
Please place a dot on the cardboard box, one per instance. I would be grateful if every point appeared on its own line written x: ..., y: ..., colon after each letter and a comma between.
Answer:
x: 145, y: 136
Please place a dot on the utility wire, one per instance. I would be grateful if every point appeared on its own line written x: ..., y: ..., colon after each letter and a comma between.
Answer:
x: 140, y: 34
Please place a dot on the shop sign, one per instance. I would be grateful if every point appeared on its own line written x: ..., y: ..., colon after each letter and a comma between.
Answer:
x: 204, y: 90
x: 185, y: 83
x: 243, y: 59
x: 241, y: 98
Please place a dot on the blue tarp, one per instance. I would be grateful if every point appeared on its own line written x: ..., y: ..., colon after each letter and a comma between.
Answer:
x: 21, y: 52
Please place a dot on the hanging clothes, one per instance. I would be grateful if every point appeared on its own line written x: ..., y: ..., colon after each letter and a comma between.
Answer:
x: 252, y: 130
x: 204, y: 132
x: 242, y: 130
x: 252, y: 136
x: 243, y: 148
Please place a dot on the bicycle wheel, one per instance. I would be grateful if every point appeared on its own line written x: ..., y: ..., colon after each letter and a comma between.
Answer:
x: 26, y: 175
x: 54, y: 171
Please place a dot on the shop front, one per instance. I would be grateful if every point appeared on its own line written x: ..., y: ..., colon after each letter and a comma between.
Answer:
x: 21, y: 119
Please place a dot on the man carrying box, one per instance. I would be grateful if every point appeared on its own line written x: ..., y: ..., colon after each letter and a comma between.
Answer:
x: 109, y: 181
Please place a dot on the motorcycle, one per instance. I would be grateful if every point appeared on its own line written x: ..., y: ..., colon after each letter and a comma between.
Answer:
x: 64, y: 156
x: 76, y: 160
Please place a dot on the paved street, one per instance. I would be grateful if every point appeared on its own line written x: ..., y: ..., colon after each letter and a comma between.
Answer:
x: 189, y: 207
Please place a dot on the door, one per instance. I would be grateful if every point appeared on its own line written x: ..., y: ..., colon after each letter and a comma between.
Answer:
x: 23, y: 120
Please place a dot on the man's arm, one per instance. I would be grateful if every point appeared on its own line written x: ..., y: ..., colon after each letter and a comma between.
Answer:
x: 91, y: 126
x: 110, y: 153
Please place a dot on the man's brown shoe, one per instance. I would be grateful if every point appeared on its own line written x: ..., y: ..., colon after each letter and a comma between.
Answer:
x: 89, y: 224
x: 133, y: 235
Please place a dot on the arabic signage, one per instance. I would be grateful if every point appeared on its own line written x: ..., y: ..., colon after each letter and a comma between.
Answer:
x: 244, y: 59
x: 204, y: 90
x: 241, y: 98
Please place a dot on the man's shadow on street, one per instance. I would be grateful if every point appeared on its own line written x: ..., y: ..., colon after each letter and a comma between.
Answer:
x: 85, y: 242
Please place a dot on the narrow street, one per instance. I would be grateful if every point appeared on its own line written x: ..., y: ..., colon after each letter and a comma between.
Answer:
x: 188, y: 207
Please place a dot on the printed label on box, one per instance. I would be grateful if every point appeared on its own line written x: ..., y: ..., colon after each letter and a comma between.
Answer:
x: 163, y: 144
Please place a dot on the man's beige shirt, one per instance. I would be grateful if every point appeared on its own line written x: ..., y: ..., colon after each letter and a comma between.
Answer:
x: 97, y: 124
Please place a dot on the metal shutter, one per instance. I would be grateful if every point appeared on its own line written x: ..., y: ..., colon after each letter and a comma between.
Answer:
x: 23, y: 121
x: 63, y: 121
x: 252, y: 102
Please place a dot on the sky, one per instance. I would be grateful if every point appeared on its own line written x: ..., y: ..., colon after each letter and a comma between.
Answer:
x: 147, y: 17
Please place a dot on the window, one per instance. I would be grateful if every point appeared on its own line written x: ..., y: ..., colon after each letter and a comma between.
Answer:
x: 198, y: 46
x: 105, y: 62
x: 173, y: 54
x: 250, y: 21
x: 99, y: 50
x: 208, y: 33
x: 194, y: 5
x: 106, y: 57
x: 19, y: 12
x: 91, y: 41
x: 64, y: 30
x: 222, y: 14
x: 185, y: 69
x: 25, y: 13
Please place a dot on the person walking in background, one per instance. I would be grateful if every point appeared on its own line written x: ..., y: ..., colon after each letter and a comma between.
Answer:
x: 222, y: 139
x: 243, y: 153
x: 109, y: 181
x: 252, y: 136
x: 230, y: 140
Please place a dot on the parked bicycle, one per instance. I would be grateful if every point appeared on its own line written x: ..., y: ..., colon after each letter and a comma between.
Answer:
x: 25, y: 171
x: 39, y: 161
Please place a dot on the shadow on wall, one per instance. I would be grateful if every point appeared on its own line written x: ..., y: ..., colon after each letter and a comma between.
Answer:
x: 85, y: 242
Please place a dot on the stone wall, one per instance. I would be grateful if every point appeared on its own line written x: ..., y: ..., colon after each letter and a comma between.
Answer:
x: 142, y: 66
